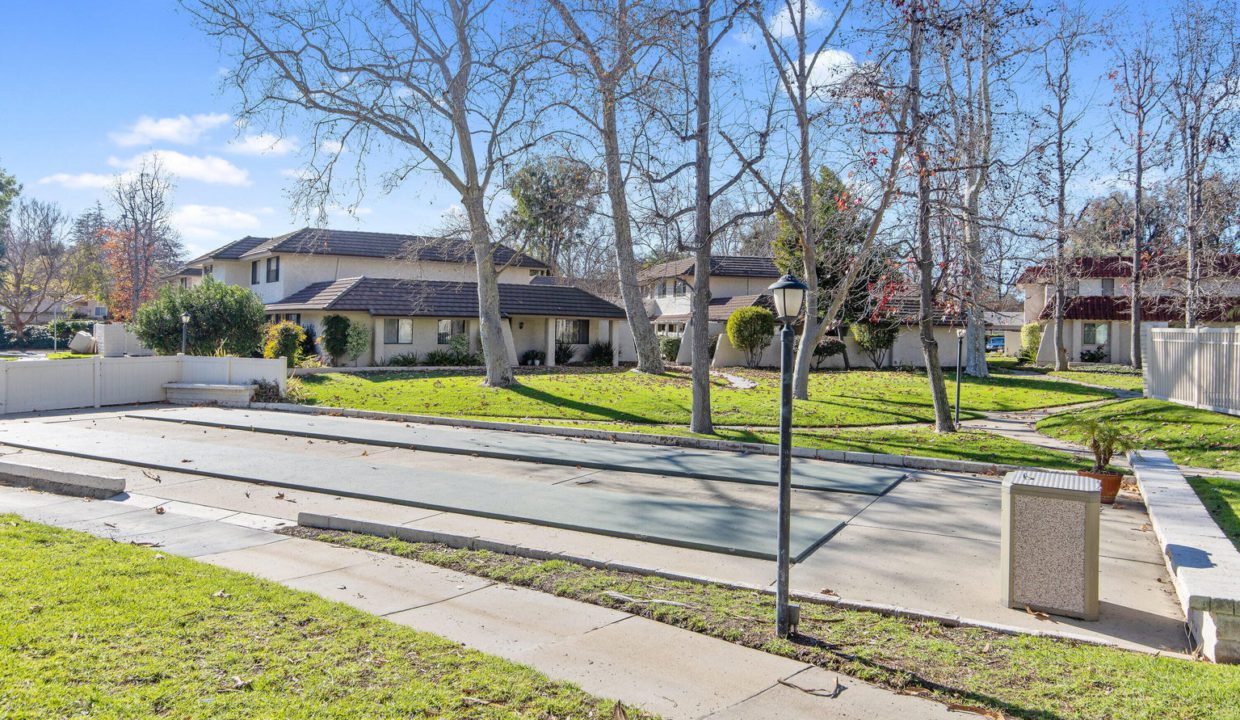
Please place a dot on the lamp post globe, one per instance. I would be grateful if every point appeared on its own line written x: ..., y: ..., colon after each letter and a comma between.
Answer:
x: 789, y: 296
x: 184, y: 328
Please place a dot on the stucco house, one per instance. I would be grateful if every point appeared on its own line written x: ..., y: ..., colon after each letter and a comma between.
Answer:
x: 76, y: 306
x: 415, y: 293
x: 1097, y: 311
x: 738, y: 281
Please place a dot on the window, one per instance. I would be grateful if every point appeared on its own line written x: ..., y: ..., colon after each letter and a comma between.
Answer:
x: 184, y: 282
x: 576, y: 332
x: 207, y: 270
x: 398, y: 331
x: 293, y: 317
x: 678, y: 287
x: 449, y: 329
x: 1095, y: 333
x: 254, y: 272
x: 273, y: 269
x: 662, y: 289
x: 1108, y: 287
x: 100, y: 311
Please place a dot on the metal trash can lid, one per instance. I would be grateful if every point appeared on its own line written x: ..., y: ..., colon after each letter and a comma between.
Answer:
x: 1051, y: 482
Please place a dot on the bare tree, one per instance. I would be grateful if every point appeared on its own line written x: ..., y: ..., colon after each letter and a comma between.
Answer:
x: 1073, y: 33
x: 439, y: 82
x: 812, y: 77
x: 608, y: 46
x: 143, y: 203
x: 36, y: 255
x: 1138, y: 124
x: 1204, y: 87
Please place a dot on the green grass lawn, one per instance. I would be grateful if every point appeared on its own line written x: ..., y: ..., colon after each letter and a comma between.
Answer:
x: 837, y: 399
x: 99, y: 629
x: 972, y: 445
x: 1120, y: 381
x: 1199, y: 438
x: 1222, y: 498
x: 1020, y: 676
x: 68, y: 356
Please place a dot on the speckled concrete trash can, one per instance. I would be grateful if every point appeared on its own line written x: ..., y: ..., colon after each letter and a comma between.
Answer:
x: 1050, y: 543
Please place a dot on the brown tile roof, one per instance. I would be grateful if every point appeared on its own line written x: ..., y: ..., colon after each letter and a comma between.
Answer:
x: 721, y: 265
x: 232, y: 251
x: 1165, y: 309
x: 1115, y: 266
x: 323, y: 241
x: 721, y: 308
x: 440, y: 298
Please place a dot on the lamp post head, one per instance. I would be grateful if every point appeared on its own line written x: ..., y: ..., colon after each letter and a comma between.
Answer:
x: 789, y: 294
x: 184, y: 318
x: 960, y: 333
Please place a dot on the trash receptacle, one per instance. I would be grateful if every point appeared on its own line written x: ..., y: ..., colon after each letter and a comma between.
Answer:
x: 1050, y: 543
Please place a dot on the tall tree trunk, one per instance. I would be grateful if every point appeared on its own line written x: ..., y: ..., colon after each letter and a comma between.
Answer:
x: 700, y: 420
x: 925, y: 248
x: 975, y: 311
x: 1138, y: 232
x: 1191, y: 218
x: 1061, y: 246
x: 649, y: 359
x: 490, y: 329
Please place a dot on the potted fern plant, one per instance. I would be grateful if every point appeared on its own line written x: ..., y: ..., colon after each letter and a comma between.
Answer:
x: 1104, y: 440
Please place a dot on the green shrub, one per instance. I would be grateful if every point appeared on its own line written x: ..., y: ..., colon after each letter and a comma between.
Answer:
x: 310, y: 344
x: 1030, y: 340
x: 224, y: 319
x: 357, y: 339
x: 530, y: 356
x: 750, y: 330
x: 335, y: 336
x: 266, y: 391
x: 875, y: 339
x: 598, y: 353
x: 457, y: 354
x: 564, y: 352
x: 64, y: 330
x: 409, y: 359
x: 670, y: 348
x: 284, y: 340
x: 828, y: 348
x: 1094, y: 356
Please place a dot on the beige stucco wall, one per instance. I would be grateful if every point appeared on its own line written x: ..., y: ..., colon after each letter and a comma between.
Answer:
x: 732, y: 286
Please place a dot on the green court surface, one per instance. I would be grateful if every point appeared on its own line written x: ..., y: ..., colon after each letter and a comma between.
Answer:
x: 600, y: 454
x: 704, y: 526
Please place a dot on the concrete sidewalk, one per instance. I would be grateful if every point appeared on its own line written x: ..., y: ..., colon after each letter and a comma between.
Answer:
x: 666, y: 670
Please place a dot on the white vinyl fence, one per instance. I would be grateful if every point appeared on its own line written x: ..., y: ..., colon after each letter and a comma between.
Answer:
x: 116, y: 340
x: 31, y: 385
x: 1198, y: 367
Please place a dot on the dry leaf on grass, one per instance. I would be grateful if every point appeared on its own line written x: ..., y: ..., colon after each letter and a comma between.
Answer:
x: 618, y: 712
x: 975, y: 710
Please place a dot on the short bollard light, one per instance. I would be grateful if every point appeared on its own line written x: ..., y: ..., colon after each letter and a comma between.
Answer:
x: 789, y: 296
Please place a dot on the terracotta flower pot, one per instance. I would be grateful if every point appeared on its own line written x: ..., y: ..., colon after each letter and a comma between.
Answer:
x: 1110, y: 483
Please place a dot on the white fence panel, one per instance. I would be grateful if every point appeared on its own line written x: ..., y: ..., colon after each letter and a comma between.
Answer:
x: 35, y: 385
x: 116, y: 340
x: 1198, y: 367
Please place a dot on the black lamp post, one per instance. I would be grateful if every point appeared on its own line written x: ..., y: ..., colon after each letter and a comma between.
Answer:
x: 960, y: 333
x: 184, y: 327
x: 789, y: 296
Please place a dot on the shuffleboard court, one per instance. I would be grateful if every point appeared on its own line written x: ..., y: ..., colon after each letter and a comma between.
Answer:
x: 507, y: 445
x: 702, y: 526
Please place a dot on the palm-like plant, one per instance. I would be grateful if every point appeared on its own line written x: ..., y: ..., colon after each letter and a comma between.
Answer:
x: 1104, y: 440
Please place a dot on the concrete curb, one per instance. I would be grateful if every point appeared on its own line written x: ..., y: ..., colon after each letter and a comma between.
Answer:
x: 59, y: 481
x: 415, y: 535
x: 856, y: 458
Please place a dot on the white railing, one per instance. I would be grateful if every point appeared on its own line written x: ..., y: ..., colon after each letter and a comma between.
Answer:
x: 33, y: 385
x: 1198, y: 367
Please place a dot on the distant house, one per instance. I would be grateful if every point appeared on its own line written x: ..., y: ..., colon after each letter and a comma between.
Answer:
x: 738, y: 281
x: 77, y: 306
x: 1097, y: 313
x: 416, y: 293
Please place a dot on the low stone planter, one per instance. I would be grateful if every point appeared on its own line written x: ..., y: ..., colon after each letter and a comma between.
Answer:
x: 1203, y: 562
x: 195, y: 393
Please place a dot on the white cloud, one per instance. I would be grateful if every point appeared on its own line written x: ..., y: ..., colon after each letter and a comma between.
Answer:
x: 78, y: 181
x: 781, y: 24
x: 182, y: 129
x: 831, y: 68
x: 332, y: 146
x: 207, y: 168
x: 212, y: 222
x: 262, y: 144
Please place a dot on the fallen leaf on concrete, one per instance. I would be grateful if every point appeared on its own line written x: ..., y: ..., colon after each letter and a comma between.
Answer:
x: 984, y: 712
x: 831, y: 693
x: 1038, y: 614
x: 828, y: 591
x: 111, y: 525
x: 279, y: 496
x: 186, y: 461
x: 1144, y: 528
x: 146, y: 543
x: 160, y: 510
x: 152, y: 475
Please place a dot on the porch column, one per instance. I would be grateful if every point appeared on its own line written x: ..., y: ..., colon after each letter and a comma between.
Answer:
x: 550, y: 342
x: 614, y: 341
x: 380, y: 350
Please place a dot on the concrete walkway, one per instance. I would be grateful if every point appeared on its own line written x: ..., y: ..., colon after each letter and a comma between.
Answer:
x: 673, y: 672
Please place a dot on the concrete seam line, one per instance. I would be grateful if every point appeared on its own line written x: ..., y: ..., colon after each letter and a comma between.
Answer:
x: 909, y: 461
x: 404, y: 532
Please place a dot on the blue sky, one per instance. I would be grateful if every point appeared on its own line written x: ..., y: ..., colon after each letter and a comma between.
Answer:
x: 91, y: 86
